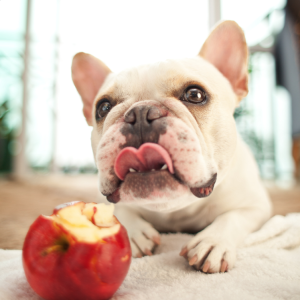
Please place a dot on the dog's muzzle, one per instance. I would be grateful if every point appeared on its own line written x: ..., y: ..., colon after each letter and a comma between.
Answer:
x: 146, y: 165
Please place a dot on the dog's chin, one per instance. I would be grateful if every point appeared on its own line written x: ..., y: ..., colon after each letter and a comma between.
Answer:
x: 158, y: 191
x: 146, y: 185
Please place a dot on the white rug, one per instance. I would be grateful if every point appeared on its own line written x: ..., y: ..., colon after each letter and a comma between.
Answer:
x: 267, y: 267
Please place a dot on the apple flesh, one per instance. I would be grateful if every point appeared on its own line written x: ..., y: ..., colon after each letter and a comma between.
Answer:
x: 79, y: 252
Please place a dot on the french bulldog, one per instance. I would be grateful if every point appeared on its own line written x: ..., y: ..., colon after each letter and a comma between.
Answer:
x: 168, y: 152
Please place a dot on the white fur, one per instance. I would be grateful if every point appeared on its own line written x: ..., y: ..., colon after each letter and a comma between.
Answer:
x: 239, y: 203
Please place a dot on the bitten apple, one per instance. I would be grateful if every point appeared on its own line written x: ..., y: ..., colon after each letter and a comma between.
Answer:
x: 79, y: 252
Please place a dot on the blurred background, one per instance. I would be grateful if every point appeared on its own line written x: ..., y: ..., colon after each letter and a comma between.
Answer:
x: 45, y: 152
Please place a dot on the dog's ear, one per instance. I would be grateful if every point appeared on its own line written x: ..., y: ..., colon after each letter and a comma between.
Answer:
x: 88, y: 74
x: 226, y: 49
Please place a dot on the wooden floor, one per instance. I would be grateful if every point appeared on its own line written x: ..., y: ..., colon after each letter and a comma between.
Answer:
x: 21, y: 202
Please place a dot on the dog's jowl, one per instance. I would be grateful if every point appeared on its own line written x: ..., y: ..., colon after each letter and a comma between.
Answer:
x: 168, y: 152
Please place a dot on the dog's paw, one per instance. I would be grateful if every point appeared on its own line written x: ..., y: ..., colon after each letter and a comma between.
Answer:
x: 143, y: 239
x: 209, y: 254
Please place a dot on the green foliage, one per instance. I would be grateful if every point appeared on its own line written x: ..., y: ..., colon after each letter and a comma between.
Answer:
x: 262, y: 149
x: 240, y: 112
x: 5, y: 130
x: 6, y: 138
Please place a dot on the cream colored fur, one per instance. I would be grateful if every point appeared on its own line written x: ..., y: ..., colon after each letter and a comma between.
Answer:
x: 239, y: 203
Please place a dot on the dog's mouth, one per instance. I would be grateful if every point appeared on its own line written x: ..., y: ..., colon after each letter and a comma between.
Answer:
x: 150, y: 168
x: 148, y: 158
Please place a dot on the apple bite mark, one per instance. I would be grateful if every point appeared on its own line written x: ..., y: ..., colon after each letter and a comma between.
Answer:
x: 100, y: 215
x: 88, y: 222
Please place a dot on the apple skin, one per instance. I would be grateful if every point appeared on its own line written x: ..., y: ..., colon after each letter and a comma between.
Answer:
x: 78, y: 270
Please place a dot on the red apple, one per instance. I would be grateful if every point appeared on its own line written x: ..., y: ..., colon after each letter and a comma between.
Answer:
x: 79, y: 252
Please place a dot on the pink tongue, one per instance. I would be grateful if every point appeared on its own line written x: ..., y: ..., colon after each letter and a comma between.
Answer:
x: 149, y: 156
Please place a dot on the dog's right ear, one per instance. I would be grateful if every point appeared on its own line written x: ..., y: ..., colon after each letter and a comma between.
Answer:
x: 88, y: 74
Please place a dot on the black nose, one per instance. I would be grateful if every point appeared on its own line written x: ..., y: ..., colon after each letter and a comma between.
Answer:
x: 143, y: 124
x: 143, y: 115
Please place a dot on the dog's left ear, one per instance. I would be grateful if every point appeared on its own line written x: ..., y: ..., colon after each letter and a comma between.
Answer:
x: 88, y: 74
x: 226, y: 49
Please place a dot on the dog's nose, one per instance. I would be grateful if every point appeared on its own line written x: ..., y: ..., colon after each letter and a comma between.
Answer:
x: 144, y: 124
x: 143, y: 115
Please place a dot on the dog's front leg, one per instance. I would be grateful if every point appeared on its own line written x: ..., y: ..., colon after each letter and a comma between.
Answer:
x: 143, y: 237
x: 214, y: 248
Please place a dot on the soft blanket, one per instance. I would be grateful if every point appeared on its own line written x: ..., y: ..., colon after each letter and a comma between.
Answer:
x: 267, y: 267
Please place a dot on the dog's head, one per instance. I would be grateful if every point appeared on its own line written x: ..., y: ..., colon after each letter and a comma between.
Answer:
x: 163, y: 133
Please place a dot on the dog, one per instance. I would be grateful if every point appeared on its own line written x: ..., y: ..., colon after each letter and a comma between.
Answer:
x: 167, y: 149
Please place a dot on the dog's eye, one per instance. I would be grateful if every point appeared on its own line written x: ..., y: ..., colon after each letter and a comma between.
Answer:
x: 103, y: 107
x: 194, y: 95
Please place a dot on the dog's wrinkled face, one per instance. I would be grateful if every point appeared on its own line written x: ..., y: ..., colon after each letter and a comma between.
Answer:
x: 173, y: 110
x: 163, y: 133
